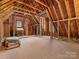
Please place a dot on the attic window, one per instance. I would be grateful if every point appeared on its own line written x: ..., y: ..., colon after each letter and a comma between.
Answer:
x: 53, y: 28
x: 18, y: 24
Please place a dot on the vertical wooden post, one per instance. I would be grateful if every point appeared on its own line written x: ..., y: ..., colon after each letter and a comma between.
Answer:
x: 9, y: 27
x: 1, y: 32
x: 37, y: 29
x: 58, y: 28
x: 14, y: 25
x: 9, y: 24
x: 50, y: 28
x: 43, y: 25
x: 26, y: 27
x: 68, y: 29
x: 34, y: 29
x: 40, y: 26
x: 31, y: 30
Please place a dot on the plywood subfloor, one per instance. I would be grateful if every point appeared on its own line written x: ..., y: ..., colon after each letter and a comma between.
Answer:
x: 42, y: 48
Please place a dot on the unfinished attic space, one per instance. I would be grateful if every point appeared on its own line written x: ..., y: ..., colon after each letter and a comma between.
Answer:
x: 39, y: 29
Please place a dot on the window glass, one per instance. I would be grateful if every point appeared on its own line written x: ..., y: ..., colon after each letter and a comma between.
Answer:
x: 18, y: 23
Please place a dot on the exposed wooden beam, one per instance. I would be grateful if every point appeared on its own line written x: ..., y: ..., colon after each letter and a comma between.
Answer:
x: 25, y: 10
x: 53, y: 11
x: 6, y: 14
x: 63, y: 8
x: 40, y: 26
x: 1, y: 32
x: 62, y: 16
x: 50, y: 29
x: 21, y: 12
x: 6, y: 17
x: 56, y: 13
x: 73, y: 14
x: 8, y: 7
x: 28, y: 5
x: 74, y: 18
x: 60, y: 9
x: 58, y: 24
x: 41, y: 3
x: 69, y: 29
x: 4, y: 2
x: 25, y: 14
x: 50, y: 13
x: 72, y: 8
x: 5, y: 5
x: 42, y: 12
x: 68, y: 8
x: 14, y: 25
x: 56, y: 6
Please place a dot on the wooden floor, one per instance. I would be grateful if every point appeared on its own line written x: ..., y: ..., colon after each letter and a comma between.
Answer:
x: 42, y: 48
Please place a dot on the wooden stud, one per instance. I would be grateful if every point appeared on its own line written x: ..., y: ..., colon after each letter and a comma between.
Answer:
x: 14, y: 25
x: 26, y: 14
x: 58, y: 28
x: 37, y: 29
x: 9, y: 24
x: 34, y: 29
x: 50, y: 28
x: 68, y: 29
x: 40, y: 26
x: 49, y: 11
x: 1, y: 31
x: 26, y: 26
x: 27, y: 5
x: 24, y: 9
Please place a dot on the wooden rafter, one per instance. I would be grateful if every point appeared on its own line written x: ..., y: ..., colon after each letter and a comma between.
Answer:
x: 60, y: 13
x: 6, y: 12
x: 68, y: 29
x: 49, y: 11
x: 53, y: 11
x: 5, y: 15
x: 25, y: 14
x: 4, y: 2
x: 5, y: 5
x: 68, y: 9
x: 63, y: 8
x: 25, y: 10
x: 28, y: 5
x: 3, y: 10
x: 58, y: 9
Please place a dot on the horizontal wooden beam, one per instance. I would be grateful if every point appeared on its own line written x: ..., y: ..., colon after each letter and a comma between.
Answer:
x: 63, y: 20
x: 25, y: 14
x: 28, y: 5
x: 22, y: 12
x: 25, y: 10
